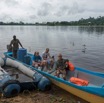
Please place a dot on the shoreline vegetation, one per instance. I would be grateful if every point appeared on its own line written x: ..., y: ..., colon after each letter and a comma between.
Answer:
x: 91, y: 21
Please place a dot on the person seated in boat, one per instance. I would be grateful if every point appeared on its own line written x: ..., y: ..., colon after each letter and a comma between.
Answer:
x: 51, y: 64
x: 9, y: 48
x: 37, y: 60
x: 43, y: 66
x: 66, y: 65
x: 60, y: 67
x: 46, y: 55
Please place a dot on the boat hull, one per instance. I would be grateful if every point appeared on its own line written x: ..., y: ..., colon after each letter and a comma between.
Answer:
x: 82, y: 94
x: 91, y: 94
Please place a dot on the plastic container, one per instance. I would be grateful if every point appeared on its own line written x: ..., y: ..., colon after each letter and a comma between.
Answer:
x: 21, y: 53
x: 27, y: 59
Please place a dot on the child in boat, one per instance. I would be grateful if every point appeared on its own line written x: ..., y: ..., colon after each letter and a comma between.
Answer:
x: 47, y: 65
x: 43, y: 66
x: 51, y: 64
x: 37, y: 59
x: 60, y: 67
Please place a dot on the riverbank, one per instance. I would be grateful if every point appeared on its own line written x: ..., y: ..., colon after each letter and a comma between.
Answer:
x: 55, y: 95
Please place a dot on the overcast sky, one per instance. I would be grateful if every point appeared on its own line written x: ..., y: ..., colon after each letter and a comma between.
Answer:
x: 49, y: 10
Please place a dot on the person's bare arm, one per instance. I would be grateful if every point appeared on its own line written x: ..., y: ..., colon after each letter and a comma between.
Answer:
x: 11, y: 44
x: 20, y: 43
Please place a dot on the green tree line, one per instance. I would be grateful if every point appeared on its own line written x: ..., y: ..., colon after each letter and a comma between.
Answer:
x: 89, y: 21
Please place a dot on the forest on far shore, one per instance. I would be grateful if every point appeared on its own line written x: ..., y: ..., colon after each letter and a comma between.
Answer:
x: 91, y: 21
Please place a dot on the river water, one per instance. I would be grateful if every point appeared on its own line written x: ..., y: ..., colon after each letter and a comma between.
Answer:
x: 83, y: 46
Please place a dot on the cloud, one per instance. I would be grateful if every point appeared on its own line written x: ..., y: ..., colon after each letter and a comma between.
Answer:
x: 70, y: 10
x: 62, y: 11
x: 44, y: 9
x: 14, y: 10
x: 49, y: 10
x: 76, y: 8
x: 11, y: 3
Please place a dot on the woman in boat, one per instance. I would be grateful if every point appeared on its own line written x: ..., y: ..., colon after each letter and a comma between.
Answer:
x: 37, y: 60
x: 60, y: 67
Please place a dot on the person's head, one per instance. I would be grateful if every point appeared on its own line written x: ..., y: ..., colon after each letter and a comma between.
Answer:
x: 59, y: 56
x: 51, y: 61
x: 34, y: 53
x: 14, y: 37
x: 47, y: 50
x: 37, y: 53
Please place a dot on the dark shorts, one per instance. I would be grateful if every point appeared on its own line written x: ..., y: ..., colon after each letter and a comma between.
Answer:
x: 15, y: 53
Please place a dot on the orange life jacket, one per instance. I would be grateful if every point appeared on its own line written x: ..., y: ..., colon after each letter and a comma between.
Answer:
x: 78, y: 81
x: 71, y: 66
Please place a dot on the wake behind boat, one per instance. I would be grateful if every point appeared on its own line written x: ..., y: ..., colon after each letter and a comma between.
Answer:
x: 93, y: 92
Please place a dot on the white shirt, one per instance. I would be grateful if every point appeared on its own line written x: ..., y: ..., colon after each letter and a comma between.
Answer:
x: 45, y: 55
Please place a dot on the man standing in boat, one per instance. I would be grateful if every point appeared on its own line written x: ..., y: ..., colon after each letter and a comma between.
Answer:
x: 15, y: 45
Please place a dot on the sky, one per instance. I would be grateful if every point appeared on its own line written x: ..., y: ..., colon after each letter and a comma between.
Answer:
x: 49, y: 10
